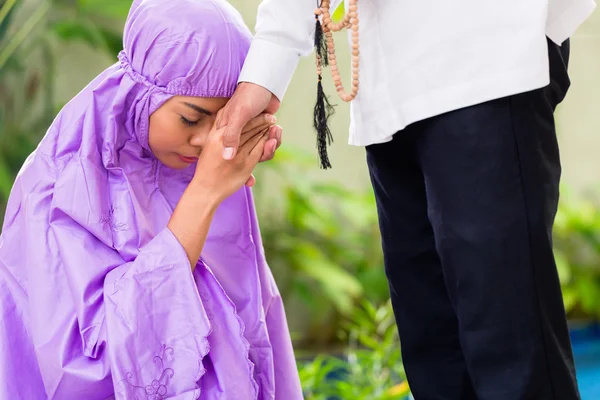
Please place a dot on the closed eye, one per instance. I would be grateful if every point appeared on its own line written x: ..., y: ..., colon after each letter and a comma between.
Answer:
x: 187, y: 122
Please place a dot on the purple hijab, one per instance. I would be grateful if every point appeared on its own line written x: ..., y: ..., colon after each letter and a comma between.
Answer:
x: 97, y: 299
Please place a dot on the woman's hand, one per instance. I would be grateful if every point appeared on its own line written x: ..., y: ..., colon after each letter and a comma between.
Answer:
x: 216, y: 179
x: 219, y: 178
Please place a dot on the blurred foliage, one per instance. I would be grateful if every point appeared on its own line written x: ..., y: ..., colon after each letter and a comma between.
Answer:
x: 29, y: 34
x: 323, y: 246
x: 370, y: 369
x: 577, y: 250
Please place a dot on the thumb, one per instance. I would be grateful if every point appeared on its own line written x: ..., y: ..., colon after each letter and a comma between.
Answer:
x: 231, y: 136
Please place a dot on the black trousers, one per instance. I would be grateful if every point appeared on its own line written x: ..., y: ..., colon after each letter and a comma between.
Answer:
x: 466, y: 203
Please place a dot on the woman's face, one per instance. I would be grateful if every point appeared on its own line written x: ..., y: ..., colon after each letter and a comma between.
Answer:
x: 173, y: 125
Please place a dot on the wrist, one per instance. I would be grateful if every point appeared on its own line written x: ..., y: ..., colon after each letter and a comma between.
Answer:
x: 191, y: 220
x: 203, y: 195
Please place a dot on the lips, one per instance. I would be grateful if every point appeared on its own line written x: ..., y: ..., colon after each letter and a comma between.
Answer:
x: 188, y: 160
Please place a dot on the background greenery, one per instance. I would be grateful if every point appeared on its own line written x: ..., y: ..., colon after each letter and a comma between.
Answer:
x: 320, y: 231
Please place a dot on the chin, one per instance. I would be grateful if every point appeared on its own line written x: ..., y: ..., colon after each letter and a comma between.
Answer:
x: 174, y: 163
x: 179, y: 167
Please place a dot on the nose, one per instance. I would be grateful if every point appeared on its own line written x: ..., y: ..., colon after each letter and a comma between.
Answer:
x: 198, y: 139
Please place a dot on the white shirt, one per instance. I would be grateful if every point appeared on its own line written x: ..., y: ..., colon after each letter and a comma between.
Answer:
x: 420, y: 58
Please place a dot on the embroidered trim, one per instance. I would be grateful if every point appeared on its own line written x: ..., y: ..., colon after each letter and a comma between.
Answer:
x: 109, y: 220
x: 157, y: 388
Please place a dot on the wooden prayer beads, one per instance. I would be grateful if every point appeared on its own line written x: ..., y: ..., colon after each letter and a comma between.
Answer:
x: 350, y: 21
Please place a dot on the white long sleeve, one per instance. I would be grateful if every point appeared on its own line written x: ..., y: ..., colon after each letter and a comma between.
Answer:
x: 284, y: 33
x: 564, y: 16
x: 419, y: 59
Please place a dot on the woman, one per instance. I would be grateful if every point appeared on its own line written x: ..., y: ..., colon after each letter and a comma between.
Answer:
x: 103, y: 290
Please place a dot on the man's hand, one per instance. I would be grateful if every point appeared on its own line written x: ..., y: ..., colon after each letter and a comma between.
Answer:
x: 248, y: 101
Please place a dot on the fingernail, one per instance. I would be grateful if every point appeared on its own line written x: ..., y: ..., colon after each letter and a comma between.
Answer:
x: 271, y: 119
x: 228, y: 153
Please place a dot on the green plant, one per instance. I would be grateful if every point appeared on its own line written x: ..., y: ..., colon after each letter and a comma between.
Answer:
x: 19, y: 87
x: 371, y: 368
x: 577, y: 251
x: 322, y: 243
x: 339, y: 12
x: 29, y: 33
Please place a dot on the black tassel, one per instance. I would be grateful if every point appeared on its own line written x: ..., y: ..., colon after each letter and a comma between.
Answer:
x: 322, y: 112
x: 320, y: 43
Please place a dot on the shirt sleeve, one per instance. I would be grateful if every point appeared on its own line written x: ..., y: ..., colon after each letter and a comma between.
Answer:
x: 565, y: 16
x: 284, y: 33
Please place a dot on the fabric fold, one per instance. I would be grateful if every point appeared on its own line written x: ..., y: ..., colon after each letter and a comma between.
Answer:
x: 157, y: 326
x: 97, y: 297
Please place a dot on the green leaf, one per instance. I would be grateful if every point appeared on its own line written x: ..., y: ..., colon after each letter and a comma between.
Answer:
x: 368, y: 341
x: 339, y: 13
x: 117, y: 9
x: 589, y: 294
x: 287, y: 156
x: 6, y: 51
x: 375, y: 283
x: 6, y: 179
x: 79, y: 30
x: 6, y: 12
x: 306, y: 293
x: 398, y: 391
x: 113, y: 40
x: 563, y: 267
x: 570, y: 298
x: 341, y: 286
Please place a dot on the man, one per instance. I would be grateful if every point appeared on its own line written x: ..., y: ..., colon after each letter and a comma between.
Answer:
x: 456, y: 113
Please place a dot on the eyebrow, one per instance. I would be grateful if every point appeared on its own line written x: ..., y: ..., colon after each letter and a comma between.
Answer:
x: 198, y: 108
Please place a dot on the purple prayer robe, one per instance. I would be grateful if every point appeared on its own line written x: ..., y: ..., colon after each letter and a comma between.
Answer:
x: 97, y: 298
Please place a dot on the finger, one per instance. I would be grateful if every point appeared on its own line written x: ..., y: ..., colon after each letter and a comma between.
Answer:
x: 251, y: 181
x: 257, y: 130
x: 272, y: 144
x: 276, y: 133
x: 250, y: 141
x: 231, y: 138
x: 279, y: 135
x: 222, y: 116
x: 261, y: 121
x: 269, y: 150
x: 257, y: 150
x: 234, y: 119
x: 273, y: 105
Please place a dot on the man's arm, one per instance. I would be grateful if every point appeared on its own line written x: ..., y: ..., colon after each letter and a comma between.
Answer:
x: 284, y: 33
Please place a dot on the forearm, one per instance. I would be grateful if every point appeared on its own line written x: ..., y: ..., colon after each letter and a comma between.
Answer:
x: 284, y: 33
x: 191, y: 220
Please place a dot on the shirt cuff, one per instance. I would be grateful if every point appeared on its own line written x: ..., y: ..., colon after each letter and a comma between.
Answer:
x: 270, y: 65
x: 562, y: 26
